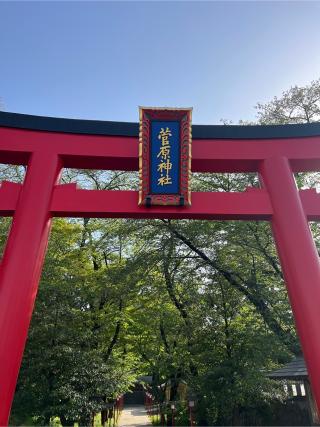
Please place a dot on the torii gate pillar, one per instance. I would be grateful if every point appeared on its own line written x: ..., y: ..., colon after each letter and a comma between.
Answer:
x: 21, y: 269
x: 299, y: 259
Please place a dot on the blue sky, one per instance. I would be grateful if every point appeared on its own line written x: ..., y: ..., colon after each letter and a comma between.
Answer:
x: 101, y: 60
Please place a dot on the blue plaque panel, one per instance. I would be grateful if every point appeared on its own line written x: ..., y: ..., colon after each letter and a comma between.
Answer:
x: 165, y: 157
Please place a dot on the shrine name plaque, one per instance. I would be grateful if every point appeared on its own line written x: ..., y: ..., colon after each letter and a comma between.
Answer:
x: 165, y: 156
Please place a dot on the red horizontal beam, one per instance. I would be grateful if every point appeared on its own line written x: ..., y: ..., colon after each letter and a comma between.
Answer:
x: 76, y: 151
x: 118, y: 152
x: 9, y: 194
x: 311, y: 204
x: 68, y: 201
x: 246, y: 155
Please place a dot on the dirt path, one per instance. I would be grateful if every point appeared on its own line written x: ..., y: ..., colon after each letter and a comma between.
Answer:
x: 134, y: 416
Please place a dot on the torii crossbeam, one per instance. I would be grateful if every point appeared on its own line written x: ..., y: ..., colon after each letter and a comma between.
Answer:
x: 46, y: 145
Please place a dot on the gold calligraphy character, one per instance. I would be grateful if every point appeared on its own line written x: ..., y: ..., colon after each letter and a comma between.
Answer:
x: 164, y: 136
x: 164, y: 152
x: 165, y: 166
x: 164, y: 180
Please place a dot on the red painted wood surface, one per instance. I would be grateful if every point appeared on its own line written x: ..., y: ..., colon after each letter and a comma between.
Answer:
x: 34, y: 203
x: 21, y: 269
x: 121, y: 153
x: 69, y: 201
x: 299, y: 259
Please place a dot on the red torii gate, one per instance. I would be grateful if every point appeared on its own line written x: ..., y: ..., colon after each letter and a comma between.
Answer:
x: 46, y: 145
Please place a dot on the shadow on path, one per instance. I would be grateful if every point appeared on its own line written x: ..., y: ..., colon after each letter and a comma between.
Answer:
x: 134, y: 416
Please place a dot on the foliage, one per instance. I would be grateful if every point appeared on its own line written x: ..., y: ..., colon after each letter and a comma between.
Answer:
x: 296, y: 105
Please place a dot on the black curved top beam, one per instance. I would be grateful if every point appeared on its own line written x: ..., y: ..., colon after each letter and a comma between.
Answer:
x: 99, y: 127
